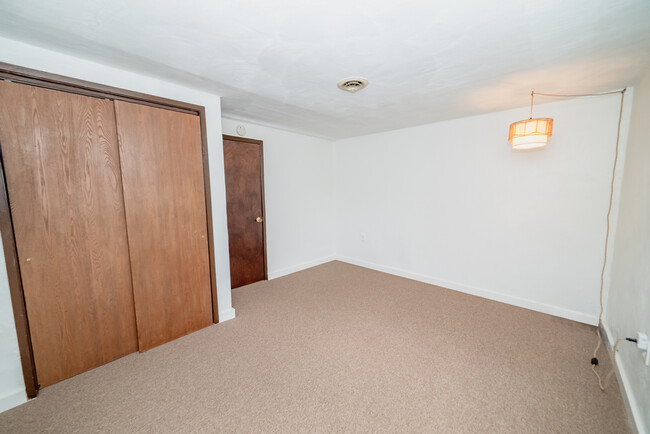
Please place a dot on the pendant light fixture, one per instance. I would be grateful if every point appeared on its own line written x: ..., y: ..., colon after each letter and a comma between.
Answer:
x: 530, y: 133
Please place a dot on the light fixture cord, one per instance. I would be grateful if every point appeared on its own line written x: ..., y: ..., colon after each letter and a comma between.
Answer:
x: 576, y: 95
x: 532, y: 97
x: 603, y: 385
x: 602, y: 271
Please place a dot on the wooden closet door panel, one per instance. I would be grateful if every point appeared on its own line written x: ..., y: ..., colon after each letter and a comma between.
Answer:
x: 162, y: 171
x: 62, y: 167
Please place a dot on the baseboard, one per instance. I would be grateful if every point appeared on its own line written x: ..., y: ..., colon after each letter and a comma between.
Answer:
x: 225, y: 315
x: 13, y: 399
x: 632, y: 407
x: 480, y: 292
x: 295, y: 268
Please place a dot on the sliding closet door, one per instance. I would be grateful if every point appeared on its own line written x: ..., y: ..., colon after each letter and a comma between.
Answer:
x: 162, y: 172
x: 62, y: 169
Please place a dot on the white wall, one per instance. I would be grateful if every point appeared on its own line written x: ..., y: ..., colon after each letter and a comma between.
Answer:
x: 451, y: 204
x: 298, y: 197
x: 12, y: 385
x: 628, y: 306
x: 45, y: 60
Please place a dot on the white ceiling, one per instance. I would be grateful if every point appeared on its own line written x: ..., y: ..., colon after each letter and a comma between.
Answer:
x: 277, y: 62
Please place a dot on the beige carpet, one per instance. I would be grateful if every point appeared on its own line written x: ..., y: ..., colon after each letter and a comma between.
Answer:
x: 341, y: 348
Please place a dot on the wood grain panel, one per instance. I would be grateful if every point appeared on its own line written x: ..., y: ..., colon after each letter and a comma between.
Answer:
x: 63, y: 178
x: 243, y: 171
x: 164, y: 195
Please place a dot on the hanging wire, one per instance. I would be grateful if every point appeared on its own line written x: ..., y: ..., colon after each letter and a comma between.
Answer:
x: 601, y: 384
x: 602, y: 272
x: 567, y: 95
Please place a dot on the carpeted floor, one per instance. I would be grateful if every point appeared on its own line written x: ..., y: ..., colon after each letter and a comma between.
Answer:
x: 342, y: 348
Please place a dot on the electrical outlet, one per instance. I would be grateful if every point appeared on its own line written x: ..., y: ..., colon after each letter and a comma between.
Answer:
x: 642, y: 344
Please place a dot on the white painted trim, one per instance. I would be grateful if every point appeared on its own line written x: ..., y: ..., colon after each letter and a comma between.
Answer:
x: 300, y: 267
x: 13, y: 399
x: 274, y: 126
x: 480, y: 292
x: 633, y: 408
x: 225, y: 315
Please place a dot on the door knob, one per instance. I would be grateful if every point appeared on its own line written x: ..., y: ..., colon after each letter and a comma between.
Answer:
x: 259, y: 220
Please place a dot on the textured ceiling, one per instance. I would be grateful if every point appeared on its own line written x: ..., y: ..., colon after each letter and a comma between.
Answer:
x: 277, y: 62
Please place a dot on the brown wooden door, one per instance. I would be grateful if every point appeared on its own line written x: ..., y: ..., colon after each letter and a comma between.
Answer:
x: 164, y: 196
x: 62, y: 169
x: 245, y: 208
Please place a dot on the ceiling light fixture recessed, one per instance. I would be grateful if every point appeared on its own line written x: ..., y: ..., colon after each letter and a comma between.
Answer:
x: 352, y: 84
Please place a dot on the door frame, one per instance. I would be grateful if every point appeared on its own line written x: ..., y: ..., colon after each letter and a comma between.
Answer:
x: 261, y: 144
x: 32, y: 77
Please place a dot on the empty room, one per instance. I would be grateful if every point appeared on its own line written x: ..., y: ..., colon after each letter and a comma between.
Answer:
x: 324, y: 216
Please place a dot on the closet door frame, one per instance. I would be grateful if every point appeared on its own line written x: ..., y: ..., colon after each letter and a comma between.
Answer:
x: 37, y: 78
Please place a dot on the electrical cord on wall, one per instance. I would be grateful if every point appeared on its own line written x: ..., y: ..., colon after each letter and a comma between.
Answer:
x: 594, y: 361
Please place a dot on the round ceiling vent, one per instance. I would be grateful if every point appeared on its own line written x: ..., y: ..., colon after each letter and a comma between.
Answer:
x: 353, y: 84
